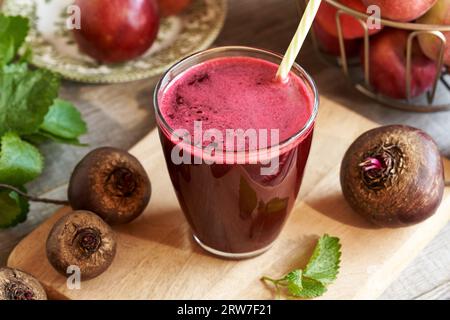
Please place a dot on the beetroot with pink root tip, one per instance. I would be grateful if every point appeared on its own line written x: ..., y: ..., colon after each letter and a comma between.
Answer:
x: 393, y: 176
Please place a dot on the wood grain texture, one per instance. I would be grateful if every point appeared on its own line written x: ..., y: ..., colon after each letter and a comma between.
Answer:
x: 157, y: 258
x: 120, y: 115
x: 439, y: 293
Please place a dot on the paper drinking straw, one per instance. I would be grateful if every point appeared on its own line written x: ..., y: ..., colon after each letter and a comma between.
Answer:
x: 298, y: 40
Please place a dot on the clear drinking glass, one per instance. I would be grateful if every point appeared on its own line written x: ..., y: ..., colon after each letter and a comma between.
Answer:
x: 235, y: 211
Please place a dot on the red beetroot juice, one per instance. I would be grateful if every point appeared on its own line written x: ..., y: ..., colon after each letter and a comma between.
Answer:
x: 233, y: 209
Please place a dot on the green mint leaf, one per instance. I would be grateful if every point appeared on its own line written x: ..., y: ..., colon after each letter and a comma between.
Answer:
x: 310, y: 289
x: 64, y: 121
x: 20, y: 162
x: 14, y: 208
x: 324, y: 263
x: 26, y: 56
x: 25, y: 98
x: 15, y: 68
x: 6, y: 49
x: 35, y: 138
x: 42, y: 136
x: 295, y: 283
x: 302, y: 287
x: 320, y: 271
x: 13, y: 31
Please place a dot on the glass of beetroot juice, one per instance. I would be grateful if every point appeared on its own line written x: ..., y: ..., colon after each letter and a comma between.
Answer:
x: 236, y: 142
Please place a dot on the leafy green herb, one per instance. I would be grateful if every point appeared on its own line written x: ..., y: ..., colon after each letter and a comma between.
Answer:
x: 6, y: 49
x: 324, y: 263
x: 26, y: 56
x: 30, y: 113
x: 63, y: 121
x: 13, y: 31
x: 25, y: 99
x: 20, y: 162
x: 42, y: 136
x: 14, y: 209
x: 321, y: 270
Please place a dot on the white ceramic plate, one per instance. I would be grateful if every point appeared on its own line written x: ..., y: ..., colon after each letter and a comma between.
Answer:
x: 54, y: 48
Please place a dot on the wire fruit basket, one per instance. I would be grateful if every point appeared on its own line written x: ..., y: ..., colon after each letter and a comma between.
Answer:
x: 435, y: 99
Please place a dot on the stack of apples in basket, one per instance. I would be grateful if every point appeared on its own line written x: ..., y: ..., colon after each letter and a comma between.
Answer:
x: 388, y: 46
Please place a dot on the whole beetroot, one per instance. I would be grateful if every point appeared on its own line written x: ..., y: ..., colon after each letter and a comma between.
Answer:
x: 393, y: 176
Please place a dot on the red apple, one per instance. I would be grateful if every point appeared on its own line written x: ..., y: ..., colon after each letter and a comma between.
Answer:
x: 114, y: 31
x: 330, y: 44
x: 351, y: 27
x: 388, y: 65
x: 401, y: 10
x: 431, y: 46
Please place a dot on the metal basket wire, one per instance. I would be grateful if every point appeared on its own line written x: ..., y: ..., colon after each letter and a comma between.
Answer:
x: 425, y: 103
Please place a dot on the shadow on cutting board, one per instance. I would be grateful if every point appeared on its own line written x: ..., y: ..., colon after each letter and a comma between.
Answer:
x: 165, y: 227
x: 335, y: 207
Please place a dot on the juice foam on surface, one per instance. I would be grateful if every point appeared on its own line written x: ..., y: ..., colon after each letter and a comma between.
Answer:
x: 237, y: 93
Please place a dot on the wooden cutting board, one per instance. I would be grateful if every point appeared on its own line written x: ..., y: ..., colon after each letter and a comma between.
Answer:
x: 157, y: 258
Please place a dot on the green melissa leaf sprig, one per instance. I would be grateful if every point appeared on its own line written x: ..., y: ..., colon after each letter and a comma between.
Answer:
x: 13, y: 31
x: 63, y: 121
x: 30, y: 113
x: 20, y: 162
x: 25, y: 98
x: 14, y: 208
x: 321, y: 270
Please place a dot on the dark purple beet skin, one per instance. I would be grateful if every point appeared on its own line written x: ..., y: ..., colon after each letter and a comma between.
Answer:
x: 393, y: 176
x: 111, y: 183
x: 114, y: 31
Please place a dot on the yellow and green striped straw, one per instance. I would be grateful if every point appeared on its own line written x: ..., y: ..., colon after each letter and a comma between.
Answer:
x: 298, y: 40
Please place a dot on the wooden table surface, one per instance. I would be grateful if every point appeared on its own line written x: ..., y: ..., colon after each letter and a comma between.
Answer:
x: 120, y: 115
